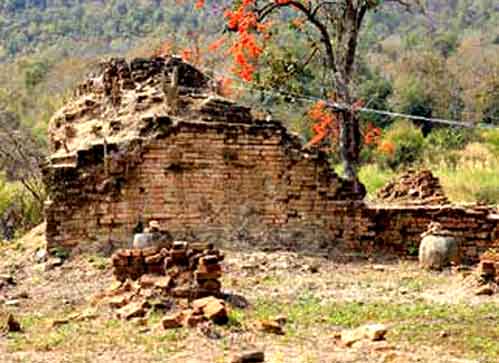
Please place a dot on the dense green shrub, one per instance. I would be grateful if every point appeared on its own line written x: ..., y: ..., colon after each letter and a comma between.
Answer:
x: 408, y: 144
x: 441, y: 145
x: 374, y: 177
x: 375, y: 91
x: 491, y: 139
x: 19, y: 210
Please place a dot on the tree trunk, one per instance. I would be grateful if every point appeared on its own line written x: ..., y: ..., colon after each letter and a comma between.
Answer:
x: 349, y: 143
x: 349, y: 129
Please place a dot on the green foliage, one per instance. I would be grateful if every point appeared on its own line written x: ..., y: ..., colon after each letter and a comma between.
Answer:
x: 412, y: 98
x: 9, y: 192
x: 60, y: 252
x: 90, y: 26
x: 34, y: 73
x: 491, y: 139
x: 475, y: 177
x: 375, y: 91
x: 408, y: 141
x: 374, y: 177
x: 18, y: 206
x: 446, y: 43
x: 442, y: 144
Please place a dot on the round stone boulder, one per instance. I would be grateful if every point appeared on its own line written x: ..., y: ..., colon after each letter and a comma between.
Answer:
x: 437, y: 252
x: 143, y: 240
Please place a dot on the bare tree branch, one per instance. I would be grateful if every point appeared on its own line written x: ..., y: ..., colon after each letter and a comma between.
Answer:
x: 21, y: 155
x: 307, y: 11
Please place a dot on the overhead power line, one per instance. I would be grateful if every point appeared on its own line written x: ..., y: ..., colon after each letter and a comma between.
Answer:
x: 339, y: 106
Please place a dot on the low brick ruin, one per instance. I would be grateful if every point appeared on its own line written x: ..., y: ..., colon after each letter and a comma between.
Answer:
x: 414, y: 188
x: 398, y: 229
x: 137, y: 143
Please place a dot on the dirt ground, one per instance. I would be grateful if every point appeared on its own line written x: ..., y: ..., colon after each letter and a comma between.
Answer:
x: 431, y: 316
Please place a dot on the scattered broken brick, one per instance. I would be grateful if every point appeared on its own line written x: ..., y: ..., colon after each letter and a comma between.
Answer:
x: 189, y: 270
x: 487, y: 270
x: 192, y: 318
x: 172, y: 321
x: 249, y: 357
x: 133, y: 310
x: 119, y: 301
x: 212, y: 308
x: 484, y: 290
x: 271, y: 326
x: 372, y: 332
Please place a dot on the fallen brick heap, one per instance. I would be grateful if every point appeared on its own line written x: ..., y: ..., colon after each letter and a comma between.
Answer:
x: 488, y: 268
x: 193, y: 269
x: 415, y: 188
x: 183, y: 280
x: 484, y: 278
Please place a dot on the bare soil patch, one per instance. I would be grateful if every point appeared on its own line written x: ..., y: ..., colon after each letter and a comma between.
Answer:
x: 431, y: 317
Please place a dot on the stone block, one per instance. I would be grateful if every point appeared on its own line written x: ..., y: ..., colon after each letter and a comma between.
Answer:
x: 172, y: 321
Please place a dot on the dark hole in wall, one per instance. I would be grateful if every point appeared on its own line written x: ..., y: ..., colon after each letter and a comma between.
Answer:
x: 115, y: 126
x: 120, y: 183
x: 150, y: 125
x: 173, y: 167
x: 229, y: 155
x: 95, y: 155
x: 57, y: 145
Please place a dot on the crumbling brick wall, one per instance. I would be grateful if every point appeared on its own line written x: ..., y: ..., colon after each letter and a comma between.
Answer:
x: 211, y: 169
x: 398, y: 229
x: 206, y: 169
x: 197, y: 178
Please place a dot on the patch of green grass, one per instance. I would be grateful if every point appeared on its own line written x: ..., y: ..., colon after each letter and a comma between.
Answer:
x: 473, y: 329
x: 60, y: 252
x: 469, y: 184
x: 374, y: 177
x: 236, y: 317
x: 491, y: 139
x: 99, y: 262
x: 271, y: 280
x: 86, y: 336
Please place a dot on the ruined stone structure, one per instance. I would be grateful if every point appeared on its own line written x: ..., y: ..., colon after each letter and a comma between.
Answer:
x: 123, y: 154
x: 150, y: 139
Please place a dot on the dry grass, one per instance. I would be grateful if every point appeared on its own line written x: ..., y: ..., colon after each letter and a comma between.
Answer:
x: 416, y: 305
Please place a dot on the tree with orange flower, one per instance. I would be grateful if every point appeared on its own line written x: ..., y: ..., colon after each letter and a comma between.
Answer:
x: 335, y: 27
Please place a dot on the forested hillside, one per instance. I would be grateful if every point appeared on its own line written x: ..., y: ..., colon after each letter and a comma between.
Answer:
x: 440, y: 63
x: 87, y: 26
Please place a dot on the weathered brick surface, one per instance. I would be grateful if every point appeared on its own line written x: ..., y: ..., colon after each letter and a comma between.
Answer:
x: 209, y: 170
x: 190, y: 270
x: 414, y: 188
x: 398, y: 229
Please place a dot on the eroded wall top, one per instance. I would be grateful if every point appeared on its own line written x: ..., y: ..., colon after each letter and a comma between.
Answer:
x: 130, y: 100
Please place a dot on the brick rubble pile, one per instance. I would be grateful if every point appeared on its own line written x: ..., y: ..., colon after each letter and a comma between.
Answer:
x: 193, y: 269
x: 488, y: 269
x: 182, y: 280
x: 414, y: 187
